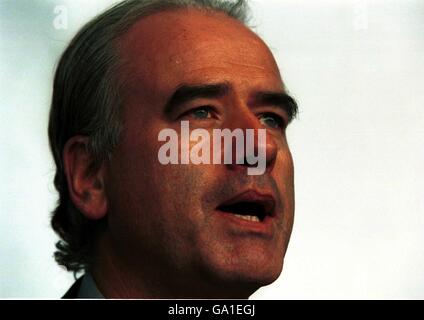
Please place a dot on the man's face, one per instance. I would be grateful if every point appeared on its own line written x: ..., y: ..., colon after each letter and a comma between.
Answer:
x: 173, y: 218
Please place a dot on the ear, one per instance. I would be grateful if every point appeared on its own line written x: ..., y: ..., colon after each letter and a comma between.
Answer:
x: 85, y: 179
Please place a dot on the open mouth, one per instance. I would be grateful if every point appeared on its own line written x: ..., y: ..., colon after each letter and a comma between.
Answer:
x: 250, y: 211
x: 249, y: 206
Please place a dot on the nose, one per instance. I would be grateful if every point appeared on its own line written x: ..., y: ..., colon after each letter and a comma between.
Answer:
x: 257, y: 142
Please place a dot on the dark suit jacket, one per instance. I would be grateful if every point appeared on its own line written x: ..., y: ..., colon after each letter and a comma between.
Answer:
x: 72, y: 293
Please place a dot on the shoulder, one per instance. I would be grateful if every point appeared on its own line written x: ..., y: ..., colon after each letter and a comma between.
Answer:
x: 73, y: 291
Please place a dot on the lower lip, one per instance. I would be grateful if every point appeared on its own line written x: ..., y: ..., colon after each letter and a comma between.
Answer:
x: 264, y: 228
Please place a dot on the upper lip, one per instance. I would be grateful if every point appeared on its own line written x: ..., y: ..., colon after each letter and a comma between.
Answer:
x: 265, y: 200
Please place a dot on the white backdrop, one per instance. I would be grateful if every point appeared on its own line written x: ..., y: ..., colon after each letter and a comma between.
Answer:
x: 357, y: 71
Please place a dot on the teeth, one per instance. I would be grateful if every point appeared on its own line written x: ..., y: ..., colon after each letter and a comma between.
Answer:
x: 248, y: 218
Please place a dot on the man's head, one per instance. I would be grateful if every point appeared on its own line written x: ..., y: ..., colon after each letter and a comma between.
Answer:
x: 169, y: 231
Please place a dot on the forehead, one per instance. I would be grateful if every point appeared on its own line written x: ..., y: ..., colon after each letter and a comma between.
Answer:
x: 169, y: 48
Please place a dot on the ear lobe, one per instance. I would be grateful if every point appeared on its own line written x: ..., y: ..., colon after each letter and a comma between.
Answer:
x: 85, y: 179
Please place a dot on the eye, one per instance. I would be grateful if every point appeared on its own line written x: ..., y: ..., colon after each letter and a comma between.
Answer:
x: 272, y: 120
x: 200, y: 113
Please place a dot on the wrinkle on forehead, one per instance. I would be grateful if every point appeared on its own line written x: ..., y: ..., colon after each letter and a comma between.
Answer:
x: 188, y: 43
x: 172, y: 31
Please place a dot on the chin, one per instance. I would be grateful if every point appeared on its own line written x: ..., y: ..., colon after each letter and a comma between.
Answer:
x: 260, y: 276
x: 240, y: 282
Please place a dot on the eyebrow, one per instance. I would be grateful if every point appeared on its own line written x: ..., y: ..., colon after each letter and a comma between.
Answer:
x: 187, y: 93
x: 280, y: 99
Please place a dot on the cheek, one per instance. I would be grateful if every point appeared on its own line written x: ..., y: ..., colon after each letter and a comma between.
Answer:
x: 153, y: 203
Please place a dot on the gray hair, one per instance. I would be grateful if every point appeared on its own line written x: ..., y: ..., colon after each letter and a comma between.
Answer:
x: 87, y: 101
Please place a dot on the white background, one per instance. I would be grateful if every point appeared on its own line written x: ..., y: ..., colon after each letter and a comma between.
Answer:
x: 357, y: 71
